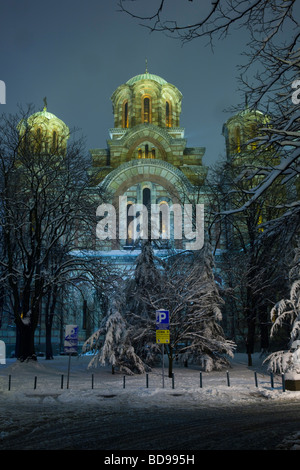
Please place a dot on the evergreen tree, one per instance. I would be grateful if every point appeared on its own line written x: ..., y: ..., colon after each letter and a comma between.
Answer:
x: 283, y: 311
x: 192, y: 297
x: 112, y: 343
x: 145, y: 283
x: 186, y: 287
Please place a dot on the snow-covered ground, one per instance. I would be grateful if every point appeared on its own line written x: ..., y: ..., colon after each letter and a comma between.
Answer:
x: 41, y: 382
x: 215, y: 385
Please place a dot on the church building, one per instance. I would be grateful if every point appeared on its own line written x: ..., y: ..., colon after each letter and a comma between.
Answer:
x: 147, y: 160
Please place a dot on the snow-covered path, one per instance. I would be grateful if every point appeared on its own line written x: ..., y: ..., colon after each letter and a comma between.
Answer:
x: 100, y: 413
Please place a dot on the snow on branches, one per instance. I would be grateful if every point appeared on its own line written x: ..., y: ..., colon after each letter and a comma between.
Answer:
x: 284, y: 311
x: 112, y: 344
x: 186, y: 287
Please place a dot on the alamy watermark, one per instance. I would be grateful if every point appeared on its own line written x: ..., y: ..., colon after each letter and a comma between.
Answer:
x: 296, y: 93
x: 2, y: 92
x: 178, y: 222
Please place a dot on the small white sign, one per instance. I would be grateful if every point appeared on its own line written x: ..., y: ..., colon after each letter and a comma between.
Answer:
x: 2, y: 352
x: 71, y: 339
x: 2, y: 92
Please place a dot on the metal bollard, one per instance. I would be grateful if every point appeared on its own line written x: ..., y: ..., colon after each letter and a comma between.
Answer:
x: 255, y: 377
x: 272, y: 379
x: 228, y: 381
x: 200, y: 379
x: 173, y: 380
x: 283, y: 382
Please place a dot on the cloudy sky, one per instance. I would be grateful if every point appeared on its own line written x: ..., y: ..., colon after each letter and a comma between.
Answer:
x: 76, y: 53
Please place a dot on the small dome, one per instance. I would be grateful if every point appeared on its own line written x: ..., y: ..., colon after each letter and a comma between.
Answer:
x: 47, y: 133
x: 146, y: 76
x: 44, y: 115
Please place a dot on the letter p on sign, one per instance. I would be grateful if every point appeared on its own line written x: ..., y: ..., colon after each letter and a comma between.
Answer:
x: 162, y: 316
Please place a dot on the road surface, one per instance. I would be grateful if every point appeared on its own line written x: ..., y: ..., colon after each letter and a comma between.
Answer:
x: 257, y: 426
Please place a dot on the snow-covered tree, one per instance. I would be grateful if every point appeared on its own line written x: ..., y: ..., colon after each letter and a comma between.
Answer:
x: 247, y: 258
x: 191, y: 295
x: 288, y: 311
x: 44, y: 203
x: 126, y: 337
x: 146, y: 281
x: 186, y: 287
x: 112, y: 344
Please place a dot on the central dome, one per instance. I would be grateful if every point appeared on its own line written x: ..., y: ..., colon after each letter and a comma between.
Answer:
x: 146, y: 99
x: 146, y: 76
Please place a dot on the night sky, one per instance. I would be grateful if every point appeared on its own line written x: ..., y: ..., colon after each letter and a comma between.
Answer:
x: 76, y: 53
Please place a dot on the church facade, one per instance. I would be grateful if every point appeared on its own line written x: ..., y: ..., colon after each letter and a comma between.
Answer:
x: 147, y: 160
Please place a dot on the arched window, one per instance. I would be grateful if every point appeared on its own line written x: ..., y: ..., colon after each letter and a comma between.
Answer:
x: 125, y: 120
x: 153, y: 153
x: 237, y: 135
x: 259, y: 222
x: 147, y: 204
x: 164, y: 220
x: 146, y: 110
x: 38, y: 142
x: 147, y: 197
x: 146, y: 151
x: 140, y: 153
x: 253, y: 134
x: 54, y: 141
x: 130, y: 219
x: 168, y: 115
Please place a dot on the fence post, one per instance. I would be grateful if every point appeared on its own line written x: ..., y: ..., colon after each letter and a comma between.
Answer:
x: 272, y: 379
x: 147, y: 380
x: 255, y: 377
x: 200, y: 379
x: 124, y: 381
x: 283, y: 382
x: 62, y: 381
x: 173, y: 380
x: 35, y: 380
x: 228, y: 381
x: 92, y: 381
x: 9, y: 382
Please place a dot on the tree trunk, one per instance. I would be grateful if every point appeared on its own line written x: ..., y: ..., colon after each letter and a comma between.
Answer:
x: 264, y: 331
x: 249, y: 358
x: 49, y: 314
x: 49, y: 351
x: 250, y: 337
x: 251, y: 321
x: 25, y: 343
x: 170, y: 357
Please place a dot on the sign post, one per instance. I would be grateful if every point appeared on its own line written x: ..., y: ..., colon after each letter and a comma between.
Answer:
x: 70, y: 344
x: 162, y: 334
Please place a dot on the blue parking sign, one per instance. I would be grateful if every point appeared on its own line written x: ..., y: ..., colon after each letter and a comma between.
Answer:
x: 162, y: 317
